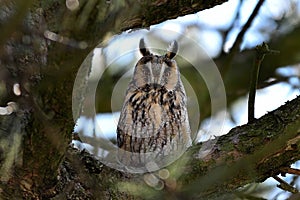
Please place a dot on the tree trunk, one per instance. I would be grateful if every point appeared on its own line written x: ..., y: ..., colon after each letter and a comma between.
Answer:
x: 35, y: 138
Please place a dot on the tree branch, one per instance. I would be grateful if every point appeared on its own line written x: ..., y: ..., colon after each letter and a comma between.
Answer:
x: 285, y: 186
x: 46, y: 71
x: 239, y: 39
x: 249, y: 153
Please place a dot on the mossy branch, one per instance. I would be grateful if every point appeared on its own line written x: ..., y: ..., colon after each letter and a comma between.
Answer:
x: 249, y: 153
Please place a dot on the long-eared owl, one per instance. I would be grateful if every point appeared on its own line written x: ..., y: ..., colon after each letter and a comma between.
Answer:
x: 154, y: 116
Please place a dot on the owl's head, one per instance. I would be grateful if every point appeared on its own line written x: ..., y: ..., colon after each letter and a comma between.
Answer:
x: 157, y: 69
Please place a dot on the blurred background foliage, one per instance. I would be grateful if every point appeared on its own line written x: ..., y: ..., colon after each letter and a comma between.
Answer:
x: 43, y: 44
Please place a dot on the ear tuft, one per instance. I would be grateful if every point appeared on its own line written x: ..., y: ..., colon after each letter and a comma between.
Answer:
x: 143, y: 49
x: 172, y: 50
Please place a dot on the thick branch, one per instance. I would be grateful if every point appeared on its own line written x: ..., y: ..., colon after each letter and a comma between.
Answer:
x: 101, y: 17
x: 154, y: 12
x: 249, y: 153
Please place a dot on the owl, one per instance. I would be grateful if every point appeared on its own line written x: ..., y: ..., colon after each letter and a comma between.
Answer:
x: 153, y: 123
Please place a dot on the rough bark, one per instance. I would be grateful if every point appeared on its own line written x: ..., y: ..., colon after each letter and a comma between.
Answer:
x: 249, y: 153
x: 34, y: 140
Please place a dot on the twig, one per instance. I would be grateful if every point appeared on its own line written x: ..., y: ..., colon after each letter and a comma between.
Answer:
x: 261, y: 51
x: 227, y: 31
x: 285, y: 186
x: 290, y: 170
x: 277, y: 79
x: 239, y: 38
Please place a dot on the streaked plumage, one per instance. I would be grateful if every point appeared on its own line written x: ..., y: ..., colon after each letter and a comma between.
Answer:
x: 154, y: 115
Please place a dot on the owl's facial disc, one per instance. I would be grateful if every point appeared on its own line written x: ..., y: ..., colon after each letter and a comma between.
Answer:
x: 159, y: 70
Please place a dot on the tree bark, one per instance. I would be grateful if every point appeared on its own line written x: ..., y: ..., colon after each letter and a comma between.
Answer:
x: 34, y: 139
x: 249, y: 153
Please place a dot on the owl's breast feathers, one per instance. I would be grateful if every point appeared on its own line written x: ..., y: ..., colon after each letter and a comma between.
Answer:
x: 153, y: 119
